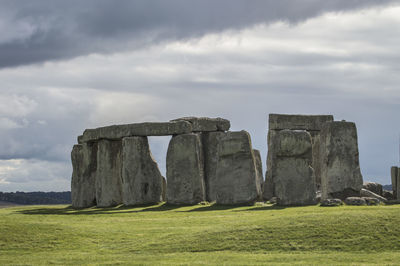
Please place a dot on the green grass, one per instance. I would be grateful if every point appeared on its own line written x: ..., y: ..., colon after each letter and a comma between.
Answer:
x: 202, y: 234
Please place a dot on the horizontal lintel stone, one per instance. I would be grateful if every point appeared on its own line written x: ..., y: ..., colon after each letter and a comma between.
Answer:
x: 116, y: 132
x: 206, y: 124
x: 298, y: 122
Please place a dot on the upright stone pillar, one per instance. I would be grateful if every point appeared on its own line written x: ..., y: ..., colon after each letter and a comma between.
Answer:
x: 141, y: 178
x: 236, y: 170
x: 84, y: 164
x: 185, y: 170
x: 210, y: 147
x: 310, y: 123
x: 395, y: 175
x: 291, y: 171
x: 109, y: 170
x: 259, y: 172
x: 340, y: 169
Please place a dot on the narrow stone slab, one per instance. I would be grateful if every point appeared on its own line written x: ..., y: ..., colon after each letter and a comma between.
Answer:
x: 395, y: 175
x: 84, y: 164
x: 236, y: 169
x: 204, y: 124
x: 185, y: 172
x: 298, y: 122
x: 291, y: 171
x: 340, y: 169
x: 117, y: 132
x: 142, y: 182
x: 108, y: 176
x: 210, y: 142
x: 259, y: 172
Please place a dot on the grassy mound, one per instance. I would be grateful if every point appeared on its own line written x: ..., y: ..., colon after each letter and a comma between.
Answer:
x: 200, y: 234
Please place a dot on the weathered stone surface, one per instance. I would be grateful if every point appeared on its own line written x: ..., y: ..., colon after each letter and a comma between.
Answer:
x: 340, y: 169
x: 210, y: 141
x: 290, y: 167
x: 298, y: 122
x: 79, y: 139
x: 366, y: 193
x: 331, y: 202
x: 116, y: 132
x: 108, y: 175
x: 395, y: 175
x: 267, y: 187
x: 310, y: 123
x: 388, y: 195
x: 355, y: 201
x: 259, y: 172
x: 164, y: 189
x: 204, y: 124
x: 371, y: 201
x: 236, y: 169
x: 141, y: 178
x: 84, y: 164
x: 185, y: 172
x: 373, y: 187
x: 318, y: 195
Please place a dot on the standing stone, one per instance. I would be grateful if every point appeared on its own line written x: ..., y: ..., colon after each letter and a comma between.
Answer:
x: 84, y: 163
x: 395, y: 175
x: 267, y: 187
x: 108, y: 176
x: 210, y: 142
x: 340, y: 169
x: 164, y: 189
x: 185, y: 170
x: 236, y: 169
x: 259, y: 172
x: 141, y: 178
x: 311, y: 123
x: 291, y: 171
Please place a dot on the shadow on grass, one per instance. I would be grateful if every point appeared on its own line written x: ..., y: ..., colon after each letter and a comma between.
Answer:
x: 143, y: 208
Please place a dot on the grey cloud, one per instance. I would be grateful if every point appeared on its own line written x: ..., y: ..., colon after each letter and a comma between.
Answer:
x: 66, y: 29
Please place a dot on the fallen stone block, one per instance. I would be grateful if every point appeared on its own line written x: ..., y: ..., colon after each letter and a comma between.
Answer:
x: 331, y: 202
x: 117, y: 132
x: 366, y: 193
x: 291, y: 172
x: 141, y: 178
x: 388, y: 195
x: 205, y: 124
x: 108, y: 175
x: 340, y: 169
x: 373, y: 187
x: 355, y: 201
x: 84, y: 164
x: 185, y: 170
x: 236, y: 170
x: 371, y: 201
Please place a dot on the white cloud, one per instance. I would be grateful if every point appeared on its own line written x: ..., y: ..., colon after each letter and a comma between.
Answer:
x: 34, y: 175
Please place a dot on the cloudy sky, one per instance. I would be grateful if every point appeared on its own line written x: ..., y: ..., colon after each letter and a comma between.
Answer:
x: 70, y: 65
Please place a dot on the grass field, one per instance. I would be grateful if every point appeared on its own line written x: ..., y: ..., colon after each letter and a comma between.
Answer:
x: 202, y: 234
